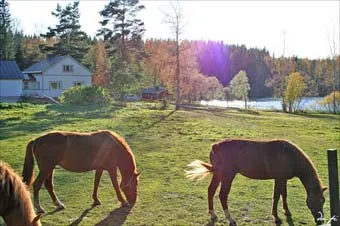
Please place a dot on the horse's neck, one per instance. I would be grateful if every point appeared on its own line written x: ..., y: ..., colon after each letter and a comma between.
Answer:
x: 309, y: 178
x: 15, y: 217
x: 126, y: 166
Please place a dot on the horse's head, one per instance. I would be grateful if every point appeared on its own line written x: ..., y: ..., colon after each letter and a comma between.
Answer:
x: 129, y: 187
x: 315, y: 201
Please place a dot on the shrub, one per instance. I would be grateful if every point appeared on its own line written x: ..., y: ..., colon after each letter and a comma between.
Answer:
x: 84, y: 95
x: 328, y: 103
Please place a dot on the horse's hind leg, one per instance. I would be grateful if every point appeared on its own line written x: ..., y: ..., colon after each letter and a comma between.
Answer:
x: 50, y: 188
x: 224, y: 192
x: 42, y: 176
x: 215, y: 181
x: 97, y: 177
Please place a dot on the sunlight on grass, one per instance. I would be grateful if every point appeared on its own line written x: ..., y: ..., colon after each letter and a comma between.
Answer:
x: 164, y: 142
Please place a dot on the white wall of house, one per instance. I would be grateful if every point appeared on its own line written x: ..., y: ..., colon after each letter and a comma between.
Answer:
x: 54, y: 85
x: 10, y: 89
x: 54, y: 80
x: 57, y: 69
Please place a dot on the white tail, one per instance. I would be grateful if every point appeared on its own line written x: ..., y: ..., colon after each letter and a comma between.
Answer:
x: 199, y: 170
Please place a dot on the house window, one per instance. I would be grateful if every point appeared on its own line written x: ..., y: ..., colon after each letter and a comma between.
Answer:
x: 55, y: 85
x: 68, y: 68
x: 31, y: 85
x: 78, y: 83
x: 25, y: 85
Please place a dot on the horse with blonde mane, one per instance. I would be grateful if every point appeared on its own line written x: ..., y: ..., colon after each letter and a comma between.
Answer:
x: 276, y: 159
x: 81, y: 152
x: 15, y: 202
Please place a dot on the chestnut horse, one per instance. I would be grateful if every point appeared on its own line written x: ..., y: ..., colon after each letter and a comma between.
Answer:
x: 15, y: 201
x: 276, y: 159
x: 81, y: 152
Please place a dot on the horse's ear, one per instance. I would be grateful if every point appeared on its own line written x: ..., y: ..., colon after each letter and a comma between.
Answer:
x: 324, y: 189
x: 137, y: 174
x: 36, y: 219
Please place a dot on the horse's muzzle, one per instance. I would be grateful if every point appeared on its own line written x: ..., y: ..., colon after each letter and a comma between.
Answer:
x: 319, y: 222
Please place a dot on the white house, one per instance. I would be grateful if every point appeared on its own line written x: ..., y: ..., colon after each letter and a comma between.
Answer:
x: 10, y: 81
x: 52, y: 76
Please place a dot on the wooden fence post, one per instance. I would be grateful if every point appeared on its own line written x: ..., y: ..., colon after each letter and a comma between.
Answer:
x: 333, y: 185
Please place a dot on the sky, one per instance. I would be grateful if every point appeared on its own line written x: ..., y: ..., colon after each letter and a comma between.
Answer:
x: 300, y: 28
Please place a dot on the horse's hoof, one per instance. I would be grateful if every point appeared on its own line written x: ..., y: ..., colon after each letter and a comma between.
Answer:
x: 213, y: 218
x: 96, y: 203
x: 60, y: 207
x: 233, y: 223
x: 125, y: 204
x: 40, y: 211
x: 278, y: 221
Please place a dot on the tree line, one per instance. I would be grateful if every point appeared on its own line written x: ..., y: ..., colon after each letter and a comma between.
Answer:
x: 123, y: 62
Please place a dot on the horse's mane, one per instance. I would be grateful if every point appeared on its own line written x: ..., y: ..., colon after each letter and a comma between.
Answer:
x: 14, y: 193
x: 125, y: 146
x: 304, y: 163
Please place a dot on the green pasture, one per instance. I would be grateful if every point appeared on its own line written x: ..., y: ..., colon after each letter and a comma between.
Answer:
x: 164, y: 142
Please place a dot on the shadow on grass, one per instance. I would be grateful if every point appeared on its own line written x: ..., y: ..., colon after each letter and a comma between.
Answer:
x: 81, y: 217
x: 117, y: 217
x: 160, y: 120
x: 319, y: 116
x: 52, y: 117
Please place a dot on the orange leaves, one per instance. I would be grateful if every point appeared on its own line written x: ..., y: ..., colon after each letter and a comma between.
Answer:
x: 101, y: 75
x: 161, y: 66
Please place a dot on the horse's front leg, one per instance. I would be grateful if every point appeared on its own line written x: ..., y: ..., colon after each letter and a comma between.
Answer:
x: 276, y: 197
x: 97, y: 177
x: 283, y: 191
x: 215, y: 181
x: 224, y: 192
x: 113, y: 176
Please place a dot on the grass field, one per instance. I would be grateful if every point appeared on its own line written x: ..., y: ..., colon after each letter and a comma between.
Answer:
x: 164, y: 142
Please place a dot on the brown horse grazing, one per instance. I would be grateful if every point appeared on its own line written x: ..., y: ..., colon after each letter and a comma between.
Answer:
x: 277, y: 159
x: 15, y: 201
x: 81, y: 152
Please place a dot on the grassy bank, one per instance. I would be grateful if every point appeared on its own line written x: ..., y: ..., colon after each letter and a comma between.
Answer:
x: 164, y: 142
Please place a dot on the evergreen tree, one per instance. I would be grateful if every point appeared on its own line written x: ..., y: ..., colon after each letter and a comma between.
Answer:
x: 19, y: 52
x: 70, y: 39
x: 6, y: 34
x: 120, y: 25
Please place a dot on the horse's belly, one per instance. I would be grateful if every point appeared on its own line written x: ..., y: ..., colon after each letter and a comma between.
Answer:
x: 76, y: 167
x: 263, y: 173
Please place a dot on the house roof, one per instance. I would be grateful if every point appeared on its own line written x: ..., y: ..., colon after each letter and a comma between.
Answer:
x: 9, y: 69
x: 43, y: 64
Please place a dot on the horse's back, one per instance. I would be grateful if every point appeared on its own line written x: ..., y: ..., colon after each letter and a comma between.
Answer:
x: 256, y: 159
x: 87, y: 151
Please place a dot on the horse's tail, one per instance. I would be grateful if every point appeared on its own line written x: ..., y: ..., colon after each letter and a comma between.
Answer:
x: 199, y: 170
x: 28, y: 173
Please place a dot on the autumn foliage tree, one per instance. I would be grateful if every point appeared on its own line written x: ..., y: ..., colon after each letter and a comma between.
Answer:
x: 294, y: 90
x: 239, y: 86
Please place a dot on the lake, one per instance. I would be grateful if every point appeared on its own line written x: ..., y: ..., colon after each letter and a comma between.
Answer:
x: 307, y: 103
